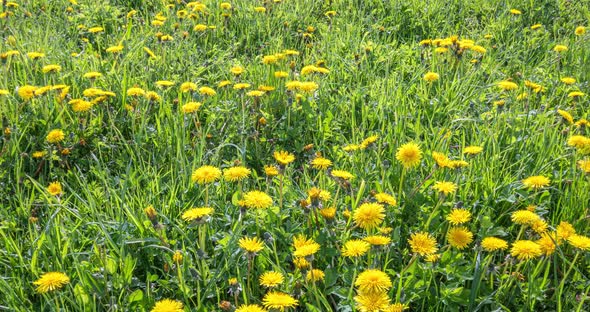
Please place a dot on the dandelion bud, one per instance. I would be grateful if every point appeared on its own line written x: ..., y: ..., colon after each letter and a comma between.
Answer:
x: 177, y: 257
x: 150, y: 212
x: 225, y: 305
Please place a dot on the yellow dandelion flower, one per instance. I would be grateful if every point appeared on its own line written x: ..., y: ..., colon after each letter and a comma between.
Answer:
x: 584, y: 165
x: 283, y: 157
x: 51, y: 281
x: 205, y: 174
x: 568, y: 80
x: 472, y: 150
x: 55, y: 136
x: 293, y: 85
x: 200, y: 28
x: 308, y: 87
x: 422, y: 243
x: 152, y: 96
x: 507, y: 85
x: 352, y: 147
x: 431, y: 77
x: 397, y: 307
x: 35, y: 55
x: 207, y: 91
x: 279, y: 301
x: 51, y: 69
x: 271, y: 279
x: 342, y: 174
x: 478, y: 49
x: 237, y: 70
x: 441, y: 159
x: 251, y: 245
x: 92, y: 75
x: 26, y: 92
x: 328, y: 213
x: 432, y: 258
x: 266, y: 88
x: 257, y: 199
x: 355, y: 248
x: 269, y: 59
x: 457, y: 164
x: 575, y: 94
x: 548, y: 242
x: 315, y: 275
x: 441, y: 50
x: 579, y: 241
x: 445, y: 187
x: 54, y: 188
x: 372, y: 302
x: 377, y: 240
x: 409, y: 155
x: 369, y: 215
x: 255, y: 93
x: 196, y: 214
x: 560, y: 48
x: 39, y: 154
x: 565, y: 230
x: 536, y: 182
x: 115, y: 49
x: 94, y: 30
x: 135, y: 92
x: 281, y: 74
x: 458, y: 216
x: 566, y: 116
x: 301, y: 263
x: 578, y: 141
x: 524, y: 217
x: 236, y: 173
x: 250, y: 307
x: 42, y: 90
x: 241, y: 86
x: 493, y: 244
x: 525, y: 250
x: 190, y: 107
x: 271, y: 171
x: 540, y: 226
x: 164, y: 83
x: 188, y: 87
x: 384, y: 198
x: 321, y: 163
x: 80, y: 106
x: 168, y: 305
x: 306, y: 250
x: 459, y: 237
x: 373, y: 281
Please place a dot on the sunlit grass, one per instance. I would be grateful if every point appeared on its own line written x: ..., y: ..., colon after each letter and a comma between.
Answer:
x: 434, y: 155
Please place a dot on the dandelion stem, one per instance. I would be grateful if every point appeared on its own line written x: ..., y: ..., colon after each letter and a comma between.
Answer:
x: 249, y: 285
x: 353, y: 279
x: 401, y: 183
x: 562, y: 283
x: 281, y: 191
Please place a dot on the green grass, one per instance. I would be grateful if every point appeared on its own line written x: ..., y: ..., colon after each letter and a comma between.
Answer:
x: 122, y: 161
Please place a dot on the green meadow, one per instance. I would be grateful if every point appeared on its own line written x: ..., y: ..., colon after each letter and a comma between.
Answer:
x: 294, y: 155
